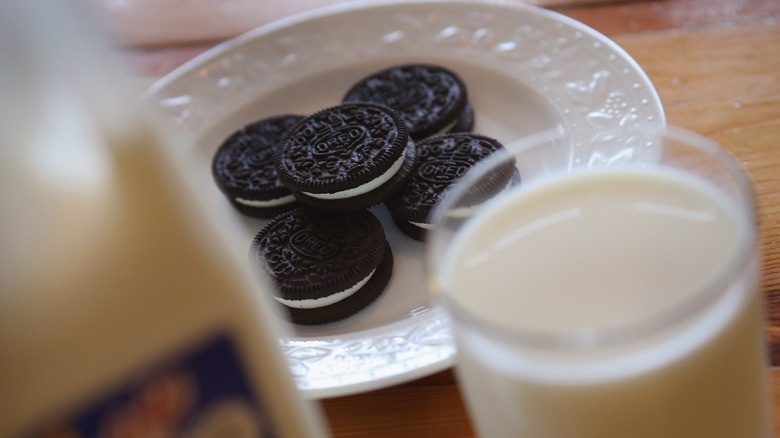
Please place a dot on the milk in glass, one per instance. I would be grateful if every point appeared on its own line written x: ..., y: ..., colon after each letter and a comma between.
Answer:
x: 588, y: 256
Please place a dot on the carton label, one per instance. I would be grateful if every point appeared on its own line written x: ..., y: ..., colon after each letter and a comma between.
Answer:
x: 203, y: 393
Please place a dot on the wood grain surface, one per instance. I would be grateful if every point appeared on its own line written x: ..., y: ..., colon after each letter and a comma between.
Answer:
x: 723, y: 81
x: 716, y: 66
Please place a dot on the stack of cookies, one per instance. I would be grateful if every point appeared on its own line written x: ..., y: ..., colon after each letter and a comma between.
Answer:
x: 399, y: 138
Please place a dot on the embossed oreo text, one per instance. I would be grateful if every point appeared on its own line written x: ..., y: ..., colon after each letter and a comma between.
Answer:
x: 344, y: 138
x: 439, y: 171
x: 314, y: 244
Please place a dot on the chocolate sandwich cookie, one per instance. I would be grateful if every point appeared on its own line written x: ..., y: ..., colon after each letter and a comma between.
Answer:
x: 430, y: 99
x: 326, y: 265
x: 346, y: 157
x: 465, y: 121
x: 243, y: 168
x: 442, y: 160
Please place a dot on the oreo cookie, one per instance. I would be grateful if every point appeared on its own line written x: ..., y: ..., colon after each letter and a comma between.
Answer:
x: 465, y: 121
x: 326, y: 265
x: 442, y: 160
x: 243, y: 168
x: 430, y: 99
x: 346, y: 157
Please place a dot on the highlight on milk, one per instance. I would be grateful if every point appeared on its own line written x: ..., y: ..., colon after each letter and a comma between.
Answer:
x: 124, y: 310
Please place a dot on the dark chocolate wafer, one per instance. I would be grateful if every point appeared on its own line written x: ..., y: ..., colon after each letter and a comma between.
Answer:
x: 430, y: 99
x: 243, y: 167
x: 326, y: 265
x: 465, y: 121
x: 346, y: 157
x: 442, y: 160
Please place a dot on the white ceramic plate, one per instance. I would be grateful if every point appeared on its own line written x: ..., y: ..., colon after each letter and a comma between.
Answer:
x: 527, y: 69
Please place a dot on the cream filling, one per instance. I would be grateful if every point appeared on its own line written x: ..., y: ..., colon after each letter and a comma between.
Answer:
x: 363, y: 188
x: 325, y: 301
x: 447, y: 128
x: 422, y: 225
x: 269, y: 203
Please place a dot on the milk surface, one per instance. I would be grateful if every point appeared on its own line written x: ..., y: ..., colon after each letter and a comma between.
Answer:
x: 591, y: 254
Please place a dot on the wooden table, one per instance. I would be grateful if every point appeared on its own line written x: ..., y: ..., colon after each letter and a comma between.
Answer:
x: 716, y: 65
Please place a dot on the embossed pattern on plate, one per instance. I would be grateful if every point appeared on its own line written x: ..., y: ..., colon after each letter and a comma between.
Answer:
x: 564, y: 73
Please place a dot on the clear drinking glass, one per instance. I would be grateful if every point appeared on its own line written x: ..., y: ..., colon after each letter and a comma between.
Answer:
x: 612, y: 293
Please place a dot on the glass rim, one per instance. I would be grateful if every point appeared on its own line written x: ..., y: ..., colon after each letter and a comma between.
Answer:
x: 620, y: 334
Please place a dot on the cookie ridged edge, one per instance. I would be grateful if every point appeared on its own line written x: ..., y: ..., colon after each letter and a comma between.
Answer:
x: 429, y: 128
x: 252, y: 194
x: 403, y: 212
x: 344, y: 280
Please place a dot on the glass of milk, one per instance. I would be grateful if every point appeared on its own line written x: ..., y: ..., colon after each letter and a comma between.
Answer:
x: 613, y: 293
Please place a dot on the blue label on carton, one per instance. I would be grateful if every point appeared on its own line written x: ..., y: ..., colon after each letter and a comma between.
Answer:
x: 204, y: 393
